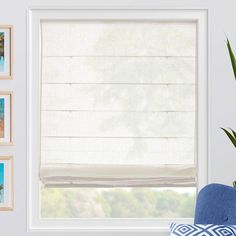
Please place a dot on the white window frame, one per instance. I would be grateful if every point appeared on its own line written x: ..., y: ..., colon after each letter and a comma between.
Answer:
x: 35, y: 16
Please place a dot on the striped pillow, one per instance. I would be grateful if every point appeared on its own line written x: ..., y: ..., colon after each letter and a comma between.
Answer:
x: 202, y: 230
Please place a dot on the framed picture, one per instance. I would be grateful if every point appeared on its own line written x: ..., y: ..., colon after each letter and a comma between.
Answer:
x: 5, y: 118
x: 6, y: 183
x: 5, y: 52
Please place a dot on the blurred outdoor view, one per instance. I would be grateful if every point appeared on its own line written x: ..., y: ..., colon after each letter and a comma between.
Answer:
x: 117, y: 202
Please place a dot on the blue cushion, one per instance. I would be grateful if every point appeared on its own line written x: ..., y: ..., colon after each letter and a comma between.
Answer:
x: 202, y: 230
x: 216, y: 204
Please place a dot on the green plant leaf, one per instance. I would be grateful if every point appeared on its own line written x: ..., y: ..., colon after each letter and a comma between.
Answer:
x: 232, y: 57
x: 230, y: 136
x: 234, y: 133
x: 234, y: 184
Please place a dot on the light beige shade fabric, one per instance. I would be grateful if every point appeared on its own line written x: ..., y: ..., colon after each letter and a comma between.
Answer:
x: 59, y: 175
x: 118, y: 103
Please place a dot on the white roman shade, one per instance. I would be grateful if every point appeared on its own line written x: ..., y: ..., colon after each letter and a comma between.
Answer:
x: 118, y: 103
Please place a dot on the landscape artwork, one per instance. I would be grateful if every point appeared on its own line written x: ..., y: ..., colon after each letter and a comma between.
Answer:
x: 1, y: 117
x: 1, y: 182
x: 5, y: 52
x: 5, y: 118
x: 1, y: 51
x: 6, y: 183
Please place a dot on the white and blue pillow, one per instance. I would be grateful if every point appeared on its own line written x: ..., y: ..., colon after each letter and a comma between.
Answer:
x: 202, y: 230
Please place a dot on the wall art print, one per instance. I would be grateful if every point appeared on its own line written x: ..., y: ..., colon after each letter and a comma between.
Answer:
x: 6, y: 183
x: 5, y: 118
x: 5, y: 52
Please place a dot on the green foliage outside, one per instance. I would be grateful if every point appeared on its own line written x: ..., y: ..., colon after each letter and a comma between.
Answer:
x: 116, y: 203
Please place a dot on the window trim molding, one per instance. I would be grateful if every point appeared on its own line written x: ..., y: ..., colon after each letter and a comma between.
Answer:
x: 37, y: 14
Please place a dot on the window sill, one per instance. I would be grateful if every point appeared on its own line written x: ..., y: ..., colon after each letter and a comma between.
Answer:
x: 105, y: 225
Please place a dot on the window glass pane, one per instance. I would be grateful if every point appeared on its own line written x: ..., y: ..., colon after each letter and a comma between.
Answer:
x: 117, y: 202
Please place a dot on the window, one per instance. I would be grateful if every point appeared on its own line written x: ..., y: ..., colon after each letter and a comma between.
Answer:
x: 118, y: 106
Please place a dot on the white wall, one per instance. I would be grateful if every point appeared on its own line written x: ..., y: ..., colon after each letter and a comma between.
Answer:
x: 222, y: 94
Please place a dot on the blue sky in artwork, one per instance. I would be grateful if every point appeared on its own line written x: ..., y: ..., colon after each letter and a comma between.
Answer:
x: 1, y: 173
x: 2, y: 181
x: 1, y: 108
x: 1, y: 64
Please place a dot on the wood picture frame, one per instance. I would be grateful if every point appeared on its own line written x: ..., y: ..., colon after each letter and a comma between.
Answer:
x: 6, y: 51
x: 5, y: 118
x: 6, y: 183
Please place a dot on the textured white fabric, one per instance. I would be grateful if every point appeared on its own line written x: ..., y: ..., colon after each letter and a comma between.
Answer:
x: 118, y: 103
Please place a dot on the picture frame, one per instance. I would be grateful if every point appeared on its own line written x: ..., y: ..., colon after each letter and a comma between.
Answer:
x: 6, y: 183
x: 5, y: 118
x: 6, y: 52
